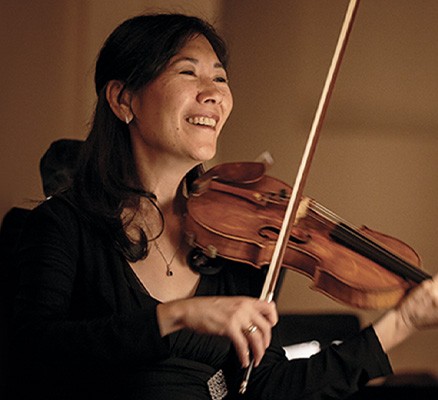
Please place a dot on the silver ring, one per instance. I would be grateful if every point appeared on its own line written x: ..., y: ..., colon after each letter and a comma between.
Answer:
x: 250, y: 330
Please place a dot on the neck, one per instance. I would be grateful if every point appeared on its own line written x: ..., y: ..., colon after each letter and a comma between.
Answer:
x: 164, y: 181
x: 160, y: 172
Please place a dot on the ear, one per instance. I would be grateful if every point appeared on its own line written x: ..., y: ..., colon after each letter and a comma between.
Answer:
x: 120, y: 102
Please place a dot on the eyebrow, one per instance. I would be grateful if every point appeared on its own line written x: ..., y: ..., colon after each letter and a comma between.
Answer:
x: 194, y: 61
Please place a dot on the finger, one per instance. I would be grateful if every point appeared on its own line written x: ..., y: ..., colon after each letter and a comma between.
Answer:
x: 264, y: 328
x: 269, y: 311
x: 273, y: 314
x: 248, y: 341
x: 256, y: 344
x: 241, y: 346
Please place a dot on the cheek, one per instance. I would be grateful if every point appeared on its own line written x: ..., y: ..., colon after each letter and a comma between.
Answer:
x: 173, y: 104
x: 226, y: 114
x: 230, y: 103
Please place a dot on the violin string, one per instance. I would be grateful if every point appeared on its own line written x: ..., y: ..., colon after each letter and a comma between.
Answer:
x: 381, y: 249
x: 361, y: 237
x: 325, y: 216
x: 318, y: 209
x: 324, y: 211
x: 317, y: 216
x: 352, y: 230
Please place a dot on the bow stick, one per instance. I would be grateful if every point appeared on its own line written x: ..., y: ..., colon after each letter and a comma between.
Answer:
x: 303, y: 171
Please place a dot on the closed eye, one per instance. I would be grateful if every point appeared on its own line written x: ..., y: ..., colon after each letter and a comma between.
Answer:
x: 221, y: 79
x: 187, y: 72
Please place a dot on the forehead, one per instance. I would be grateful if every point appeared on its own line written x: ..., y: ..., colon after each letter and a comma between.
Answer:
x: 195, y: 48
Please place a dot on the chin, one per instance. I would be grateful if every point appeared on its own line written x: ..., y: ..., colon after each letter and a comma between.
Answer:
x: 205, y: 153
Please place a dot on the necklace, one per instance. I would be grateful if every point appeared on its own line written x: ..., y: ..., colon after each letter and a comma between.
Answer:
x: 169, y: 271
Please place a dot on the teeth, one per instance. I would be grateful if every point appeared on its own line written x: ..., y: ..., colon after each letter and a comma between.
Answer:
x: 202, y: 121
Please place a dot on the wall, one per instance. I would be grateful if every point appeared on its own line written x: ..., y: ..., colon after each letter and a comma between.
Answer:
x: 376, y: 162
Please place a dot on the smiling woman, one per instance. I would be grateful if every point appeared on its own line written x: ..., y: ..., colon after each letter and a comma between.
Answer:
x: 109, y: 305
x: 178, y: 116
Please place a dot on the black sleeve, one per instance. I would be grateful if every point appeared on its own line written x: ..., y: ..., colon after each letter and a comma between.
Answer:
x: 335, y: 372
x: 46, y: 328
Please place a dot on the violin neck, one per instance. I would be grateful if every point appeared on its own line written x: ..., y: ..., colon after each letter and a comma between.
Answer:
x: 367, y: 247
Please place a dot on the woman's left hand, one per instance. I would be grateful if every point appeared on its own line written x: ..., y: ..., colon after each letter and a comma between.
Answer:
x: 419, y: 309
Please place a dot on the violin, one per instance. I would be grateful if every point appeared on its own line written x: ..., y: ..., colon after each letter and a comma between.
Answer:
x: 235, y: 211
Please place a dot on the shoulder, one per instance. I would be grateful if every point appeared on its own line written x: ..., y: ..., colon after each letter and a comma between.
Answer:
x: 57, y: 216
x: 13, y: 222
x: 57, y: 207
x: 16, y: 215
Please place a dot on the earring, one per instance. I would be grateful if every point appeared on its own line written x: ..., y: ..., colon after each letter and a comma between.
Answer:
x: 128, y: 119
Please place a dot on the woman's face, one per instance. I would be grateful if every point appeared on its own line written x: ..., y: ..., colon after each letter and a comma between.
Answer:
x: 180, y: 114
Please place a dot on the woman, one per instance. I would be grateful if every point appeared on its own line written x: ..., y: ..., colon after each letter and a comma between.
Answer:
x: 109, y: 306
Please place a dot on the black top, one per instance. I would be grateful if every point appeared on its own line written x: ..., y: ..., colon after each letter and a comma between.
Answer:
x: 86, y: 328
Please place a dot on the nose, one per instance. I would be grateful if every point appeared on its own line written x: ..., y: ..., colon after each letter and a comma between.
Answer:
x: 210, y: 93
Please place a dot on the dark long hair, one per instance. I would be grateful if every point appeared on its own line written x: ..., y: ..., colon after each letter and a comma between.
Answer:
x: 135, y: 53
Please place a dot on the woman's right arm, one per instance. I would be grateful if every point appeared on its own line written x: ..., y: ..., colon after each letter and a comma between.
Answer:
x: 55, y: 322
x: 50, y: 328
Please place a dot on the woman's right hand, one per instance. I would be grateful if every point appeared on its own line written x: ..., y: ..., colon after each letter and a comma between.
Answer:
x: 229, y: 316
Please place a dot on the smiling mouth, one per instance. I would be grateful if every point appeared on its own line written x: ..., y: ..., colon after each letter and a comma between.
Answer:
x: 203, y: 121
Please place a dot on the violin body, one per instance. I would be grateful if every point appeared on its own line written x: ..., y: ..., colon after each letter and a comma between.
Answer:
x: 235, y: 211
